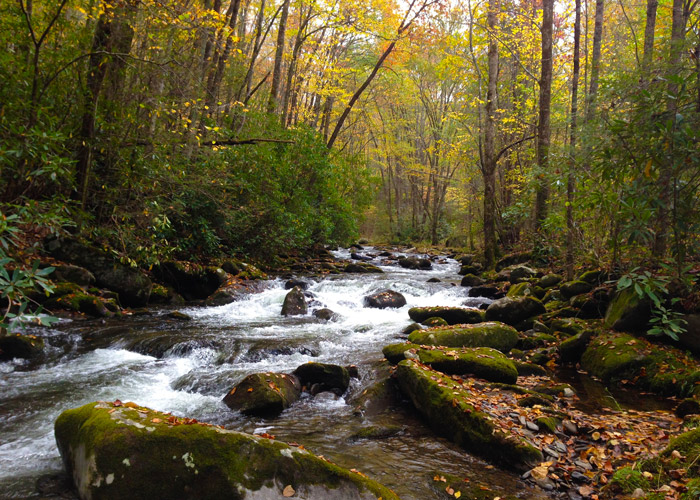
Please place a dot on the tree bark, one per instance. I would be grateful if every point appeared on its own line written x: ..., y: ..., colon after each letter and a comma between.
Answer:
x: 595, y: 60
x: 543, y: 124
x: 488, y: 168
x: 273, y: 102
x: 649, y: 35
x: 571, y: 181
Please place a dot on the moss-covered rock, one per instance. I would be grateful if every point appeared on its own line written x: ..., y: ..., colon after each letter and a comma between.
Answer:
x: 522, y: 273
x: 453, y: 315
x: 519, y: 290
x: 512, y: 259
x: 329, y: 377
x: 192, y: 281
x: 624, y: 482
x: 490, y: 334
x: 80, y: 302
x: 435, y: 321
x: 549, y: 280
x: 362, y: 268
x: 482, y: 362
x: 472, y: 280
x: 627, y: 312
x: 264, y: 394
x: 411, y: 328
x: 488, y: 291
x: 295, y: 303
x: 569, y: 326
x: 385, y: 299
x: 572, y: 288
x: 14, y: 345
x: 444, y: 404
x: 525, y: 369
x: 73, y: 274
x: 594, y: 277
x: 117, y: 451
x: 571, y: 350
x: 535, y: 340
x: 514, y: 310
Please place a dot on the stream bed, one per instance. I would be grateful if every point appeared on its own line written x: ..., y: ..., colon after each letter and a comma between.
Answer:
x: 186, y: 367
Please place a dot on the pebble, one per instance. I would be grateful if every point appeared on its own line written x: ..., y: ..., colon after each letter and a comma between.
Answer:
x: 532, y: 426
x: 570, y: 427
x: 549, y: 451
x: 638, y: 493
x: 560, y: 447
x: 577, y: 476
x: 568, y: 393
x: 583, y: 464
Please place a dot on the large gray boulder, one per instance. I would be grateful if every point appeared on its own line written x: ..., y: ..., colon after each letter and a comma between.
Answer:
x: 514, y: 310
x: 116, y: 451
x: 295, y: 303
x: 385, y: 299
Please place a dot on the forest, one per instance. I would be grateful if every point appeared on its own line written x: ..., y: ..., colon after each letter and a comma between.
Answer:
x: 162, y: 158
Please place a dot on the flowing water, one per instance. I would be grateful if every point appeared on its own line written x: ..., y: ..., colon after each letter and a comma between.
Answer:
x: 186, y: 368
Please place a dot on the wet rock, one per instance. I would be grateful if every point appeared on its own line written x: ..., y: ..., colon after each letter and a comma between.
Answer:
x: 264, y: 394
x: 415, y: 263
x: 357, y: 246
x: 325, y: 314
x: 490, y: 292
x: 444, y: 404
x: 473, y: 269
x: 257, y: 354
x: 465, y: 260
x: 180, y: 316
x: 573, y: 288
x: 56, y: 486
x: 433, y: 280
x: 471, y: 280
x: 453, y: 315
x: 411, y: 328
x: 627, y: 312
x: 161, y: 295
x: 73, y: 274
x: 192, y: 281
x: 377, y: 432
x: 83, y: 303
x: 385, y: 299
x: 362, y: 268
x: 127, y: 451
x: 158, y: 344
x: 296, y: 282
x: 295, y: 303
x: 132, y: 285
x: 490, y: 334
x: 513, y: 311
x: 329, y: 377
x: 481, y: 362
x: 14, y: 345
x: 356, y: 256
x: 435, y: 321
x: 570, y: 427
x: 571, y: 350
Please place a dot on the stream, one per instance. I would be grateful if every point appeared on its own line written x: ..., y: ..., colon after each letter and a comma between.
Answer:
x: 186, y: 367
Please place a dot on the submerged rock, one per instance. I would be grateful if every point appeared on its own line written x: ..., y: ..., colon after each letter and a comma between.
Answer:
x: 385, y: 299
x: 20, y: 346
x: 453, y: 315
x: 295, y: 303
x: 264, y: 394
x: 325, y: 314
x: 116, y: 451
x: 490, y: 334
x: 444, y: 404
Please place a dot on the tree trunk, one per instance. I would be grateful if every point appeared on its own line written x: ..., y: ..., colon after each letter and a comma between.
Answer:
x: 543, y: 124
x: 595, y: 60
x: 488, y: 168
x: 571, y: 181
x: 273, y: 102
x: 649, y: 35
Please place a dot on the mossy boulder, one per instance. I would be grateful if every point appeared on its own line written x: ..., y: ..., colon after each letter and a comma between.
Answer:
x: 323, y: 377
x: 489, y: 334
x: 482, y: 362
x: 117, y: 451
x: 624, y: 482
x: 514, y: 310
x: 295, y: 303
x: 522, y: 273
x: 73, y: 274
x: 415, y: 263
x: 594, y: 277
x: 14, y: 345
x: 411, y: 328
x: 132, y: 285
x: 488, y: 291
x: 572, y: 288
x: 362, y: 268
x: 192, y: 281
x: 688, y: 445
x: 444, y: 403
x: 549, y: 280
x: 569, y: 326
x: 512, y: 259
x: 164, y: 295
x: 534, y: 340
x: 264, y: 394
x: 627, y: 312
x: 571, y: 350
x: 453, y: 315
x: 81, y: 302
x: 384, y: 299
x: 519, y: 290
x: 471, y: 280
x: 615, y: 357
x: 435, y: 321
x: 474, y: 269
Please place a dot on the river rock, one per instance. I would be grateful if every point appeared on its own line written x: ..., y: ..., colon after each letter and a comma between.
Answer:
x: 571, y: 350
x: 192, y: 281
x: 490, y: 292
x: 264, y: 394
x: 115, y: 451
x: 385, y: 299
x: 549, y: 280
x: 471, y: 280
x: 453, y: 315
x: 73, y: 274
x: 490, y: 334
x: 571, y: 288
x: 512, y: 311
x: 357, y: 256
x: 627, y: 312
x: 132, y: 285
x: 295, y: 303
x: 521, y: 273
x: 434, y: 321
x: 325, y: 314
x: 482, y: 362
x: 328, y: 377
x: 14, y: 345
x: 445, y: 405
x: 296, y: 282
x: 362, y: 268
x: 512, y: 259
x: 415, y: 263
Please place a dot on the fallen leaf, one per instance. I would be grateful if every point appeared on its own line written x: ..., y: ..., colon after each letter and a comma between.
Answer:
x: 288, y: 491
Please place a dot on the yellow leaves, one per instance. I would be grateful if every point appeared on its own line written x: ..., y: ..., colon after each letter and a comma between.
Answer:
x: 288, y: 491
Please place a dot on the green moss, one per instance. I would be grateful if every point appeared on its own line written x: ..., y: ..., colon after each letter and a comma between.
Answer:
x: 519, y: 290
x: 688, y: 445
x: 328, y: 376
x: 533, y: 400
x: 20, y: 346
x: 490, y: 334
x: 472, y: 488
x: 445, y: 405
x: 435, y: 321
x: 549, y: 280
x: 615, y: 357
x: 452, y: 315
x: 622, y: 304
x: 394, y: 353
x: 65, y: 288
x: 525, y: 369
x: 530, y: 342
x: 569, y: 326
x: 115, y: 452
x: 693, y: 490
x: 548, y: 424
x: 573, y: 288
x: 80, y: 302
x: 571, y: 350
x: 593, y: 277
x: 625, y: 481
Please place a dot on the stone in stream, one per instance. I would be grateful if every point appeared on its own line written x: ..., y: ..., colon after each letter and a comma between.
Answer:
x: 192, y: 281
x: 296, y: 282
x: 445, y: 405
x: 328, y: 377
x: 385, y: 299
x: 295, y: 303
x: 482, y: 362
x: 415, y: 263
x: 453, y: 315
x: 325, y: 314
x: 513, y: 311
x: 362, y: 268
x: 490, y: 334
x: 264, y: 394
x: 116, y: 451
x: 16, y: 346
